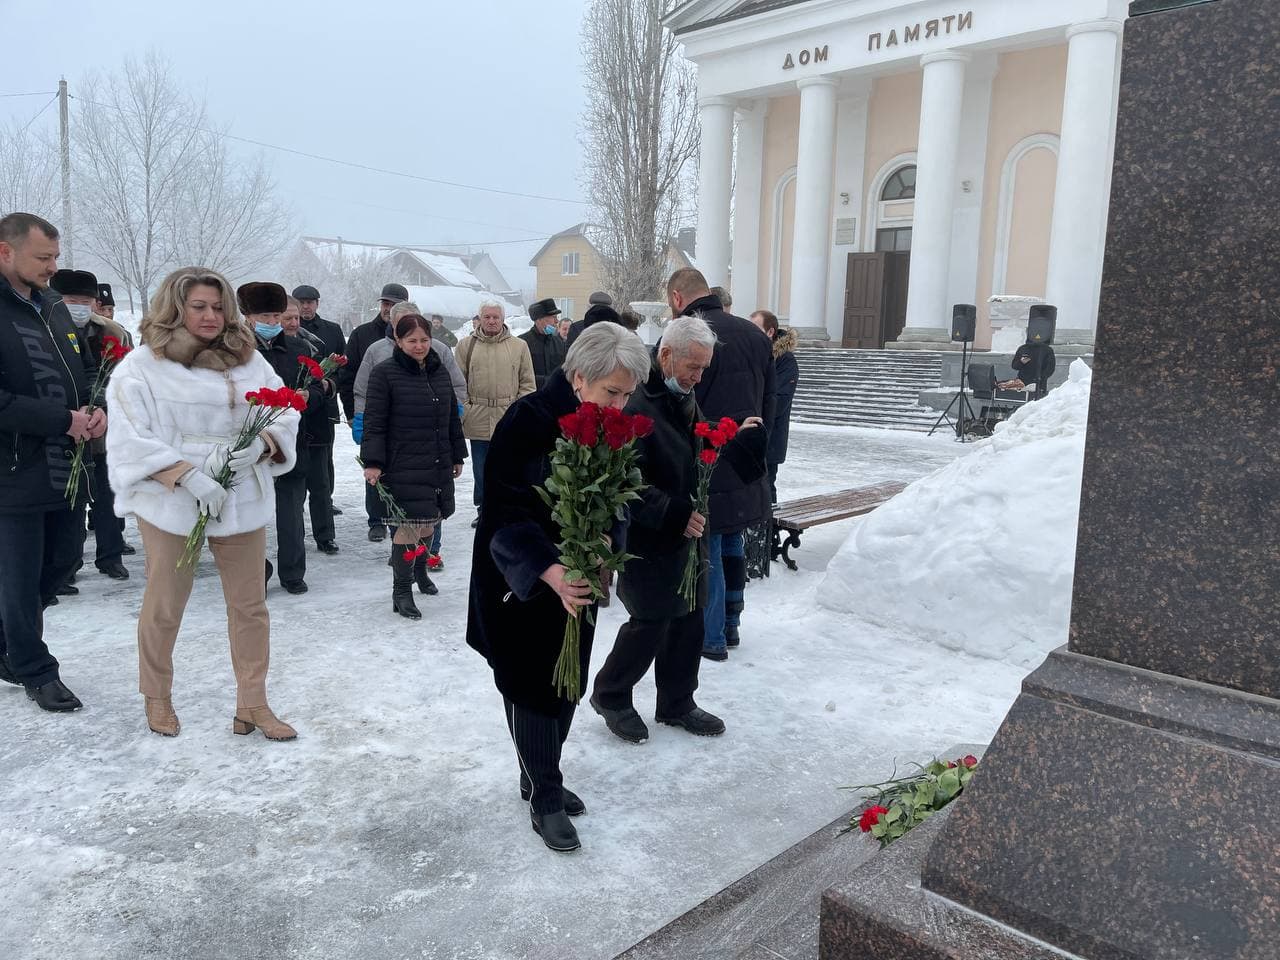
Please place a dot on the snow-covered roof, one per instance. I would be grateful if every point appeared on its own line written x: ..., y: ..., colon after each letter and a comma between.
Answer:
x: 454, y: 268
x: 457, y: 302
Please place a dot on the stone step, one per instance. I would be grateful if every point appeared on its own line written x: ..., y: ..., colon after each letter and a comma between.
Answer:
x: 870, y: 388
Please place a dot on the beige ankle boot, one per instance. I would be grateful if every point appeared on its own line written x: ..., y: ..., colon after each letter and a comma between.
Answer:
x: 161, y: 717
x: 248, y: 719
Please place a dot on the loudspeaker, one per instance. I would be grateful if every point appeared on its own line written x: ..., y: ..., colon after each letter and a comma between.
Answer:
x: 1042, y: 323
x: 982, y: 380
x: 964, y: 322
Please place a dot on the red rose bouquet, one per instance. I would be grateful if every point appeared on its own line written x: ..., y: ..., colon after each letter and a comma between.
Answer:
x: 593, y: 477
x: 901, y: 803
x: 113, y: 351
x: 717, y: 435
x: 266, y: 406
x: 313, y: 369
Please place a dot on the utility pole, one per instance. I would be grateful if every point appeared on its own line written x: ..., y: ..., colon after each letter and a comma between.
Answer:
x: 64, y: 135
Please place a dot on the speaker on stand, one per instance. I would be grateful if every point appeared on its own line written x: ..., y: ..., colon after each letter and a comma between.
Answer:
x: 964, y: 326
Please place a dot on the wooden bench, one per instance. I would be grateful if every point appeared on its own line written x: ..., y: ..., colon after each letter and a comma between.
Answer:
x: 796, y: 516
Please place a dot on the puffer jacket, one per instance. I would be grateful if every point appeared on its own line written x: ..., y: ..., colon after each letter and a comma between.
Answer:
x: 498, y: 371
x: 384, y: 348
x: 164, y: 413
x: 412, y: 432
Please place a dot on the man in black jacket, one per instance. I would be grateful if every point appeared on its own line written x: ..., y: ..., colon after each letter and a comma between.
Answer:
x: 740, y: 384
x: 329, y: 334
x: 363, y: 337
x: 44, y: 391
x: 545, y: 346
x: 262, y: 305
x: 664, y: 526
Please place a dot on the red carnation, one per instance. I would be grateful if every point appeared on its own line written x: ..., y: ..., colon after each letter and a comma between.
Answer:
x: 708, y: 457
x: 970, y: 761
x: 338, y: 359
x: 702, y: 429
x: 870, y: 817
x: 728, y: 428
x: 434, y: 562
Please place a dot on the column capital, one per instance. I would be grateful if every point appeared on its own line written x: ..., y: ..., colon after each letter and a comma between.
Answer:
x: 804, y: 82
x: 716, y: 102
x: 945, y: 56
x: 747, y: 109
x: 1095, y: 26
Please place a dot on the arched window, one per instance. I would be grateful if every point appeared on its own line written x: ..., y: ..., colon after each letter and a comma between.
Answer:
x: 900, y: 186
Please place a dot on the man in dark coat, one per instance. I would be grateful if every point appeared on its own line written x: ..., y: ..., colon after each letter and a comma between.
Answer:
x: 44, y: 392
x: 363, y: 337
x: 262, y: 304
x: 545, y: 346
x: 663, y: 631
x: 740, y: 384
x: 787, y: 374
x: 329, y: 334
x: 599, y: 310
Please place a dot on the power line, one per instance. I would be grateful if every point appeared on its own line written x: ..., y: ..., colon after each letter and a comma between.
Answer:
x: 365, y: 166
x: 38, y: 93
x: 37, y: 116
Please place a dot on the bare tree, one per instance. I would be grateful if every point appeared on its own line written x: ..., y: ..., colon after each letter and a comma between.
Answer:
x: 640, y: 132
x: 28, y: 172
x: 349, y: 282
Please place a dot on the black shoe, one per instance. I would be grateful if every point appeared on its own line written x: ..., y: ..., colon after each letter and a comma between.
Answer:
x: 423, y: 579
x: 67, y: 590
x: 270, y: 571
x: 402, y: 587
x: 731, y: 638
x: 8, y: 676
x: 573, y: 804
x: 54, y: 697
x: 697, y: 721
x: 116, y: 570
x: 336, y: 511
x: 377, y: 534
x: 719, y: 656
x: 556, y: 831
x: 625, y: 724
x: 128, y: 550
x: 294, y: 586
x: 327, y: 546
x: 475, y: 523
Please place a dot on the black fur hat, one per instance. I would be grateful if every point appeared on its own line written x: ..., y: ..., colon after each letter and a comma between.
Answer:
x: 260, y: 297
x: 75, y: 283
x: 543, y: 308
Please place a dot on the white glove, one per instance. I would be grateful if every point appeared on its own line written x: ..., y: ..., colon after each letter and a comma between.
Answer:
x: 216, y: 460
x: 244, y: 458
x: 210, y: 495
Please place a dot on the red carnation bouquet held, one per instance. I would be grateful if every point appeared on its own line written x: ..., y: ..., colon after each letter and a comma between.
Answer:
x: 396, y: 517
x: 266, y: 406
x: 313, y: 369
x: 113, y: 351
x: 717, y: 435
x: 593, y: 477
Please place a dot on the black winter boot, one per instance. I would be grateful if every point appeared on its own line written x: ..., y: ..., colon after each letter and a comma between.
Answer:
x: 402, y: 587
x: 420, y: 575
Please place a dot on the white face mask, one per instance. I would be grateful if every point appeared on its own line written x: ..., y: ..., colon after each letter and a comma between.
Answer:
x: 80, y: 313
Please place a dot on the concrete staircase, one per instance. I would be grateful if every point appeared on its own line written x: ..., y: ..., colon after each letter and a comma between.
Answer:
x: 866, y: 388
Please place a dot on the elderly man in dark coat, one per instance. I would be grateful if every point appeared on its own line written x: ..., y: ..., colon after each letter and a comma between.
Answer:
x: 546, y: 348
x: 662, y: 629
x: 741, y: 383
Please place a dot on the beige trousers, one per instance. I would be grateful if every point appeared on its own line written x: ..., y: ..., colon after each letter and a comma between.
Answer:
x: 241, y: 561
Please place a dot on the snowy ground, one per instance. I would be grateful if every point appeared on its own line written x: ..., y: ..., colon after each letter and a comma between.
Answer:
x: 392, y: 828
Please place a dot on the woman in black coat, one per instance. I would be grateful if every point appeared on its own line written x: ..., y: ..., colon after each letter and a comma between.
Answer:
x: 413, y: 442
x: 519, y: 595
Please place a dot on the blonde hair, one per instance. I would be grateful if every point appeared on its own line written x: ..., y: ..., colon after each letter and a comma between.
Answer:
x: 164, y: 313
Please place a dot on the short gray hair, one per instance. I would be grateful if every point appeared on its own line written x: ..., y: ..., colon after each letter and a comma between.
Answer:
x: 604, y: 347
x: 403, y: 308
x: 684, y: 332
x: 486, y: 304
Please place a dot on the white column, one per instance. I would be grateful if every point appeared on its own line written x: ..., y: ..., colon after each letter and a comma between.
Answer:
x: 971, y: 166
x: 715, y: 179
x: 811, y: 244
x: 928, y: 313
x: 851, y: 152
x: 1080, y: 195
x: 746, y: 206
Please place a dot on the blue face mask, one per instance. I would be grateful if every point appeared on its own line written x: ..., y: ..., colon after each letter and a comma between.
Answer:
x: 674, y: 386
x: 268, y: 331
x: 549, y: 329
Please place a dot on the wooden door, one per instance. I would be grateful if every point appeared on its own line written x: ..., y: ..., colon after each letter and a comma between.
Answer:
x: 897, y: 271
x: 864, y: 301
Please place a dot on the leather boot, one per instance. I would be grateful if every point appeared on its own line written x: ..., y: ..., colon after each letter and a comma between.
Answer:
x: 161, y: 717
x: 420, y: 574
x: 402, y: 586
x: 556, y: 831
x: 249, y: 719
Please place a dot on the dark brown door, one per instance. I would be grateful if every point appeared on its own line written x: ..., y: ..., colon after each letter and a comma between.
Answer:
x: 897, y: 269
x: 864, y: 301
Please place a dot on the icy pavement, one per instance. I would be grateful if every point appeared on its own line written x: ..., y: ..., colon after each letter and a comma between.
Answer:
x: 393, y: 828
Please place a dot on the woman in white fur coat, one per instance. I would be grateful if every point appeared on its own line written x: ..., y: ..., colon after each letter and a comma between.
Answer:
x: 177, y: 403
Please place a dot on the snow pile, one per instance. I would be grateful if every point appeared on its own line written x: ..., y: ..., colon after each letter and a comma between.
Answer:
x: 979, y: 556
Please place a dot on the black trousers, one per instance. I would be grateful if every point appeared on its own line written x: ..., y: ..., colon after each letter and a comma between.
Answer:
x: 538, y: 740
x: 35, y: 557
x: 773, y: 481
x: 373, y: 507
x: 674, y: 647
x: 291, y: 550
x: 319, y: 478
x: 108, y: 529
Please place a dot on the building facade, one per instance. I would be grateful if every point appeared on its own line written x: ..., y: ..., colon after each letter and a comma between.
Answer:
x: 865, y: 164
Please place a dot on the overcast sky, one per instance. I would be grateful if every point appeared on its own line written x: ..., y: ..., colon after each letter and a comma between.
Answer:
x: 483, y: 92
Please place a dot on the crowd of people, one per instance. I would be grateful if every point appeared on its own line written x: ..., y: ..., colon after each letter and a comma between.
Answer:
x: 167, y: 448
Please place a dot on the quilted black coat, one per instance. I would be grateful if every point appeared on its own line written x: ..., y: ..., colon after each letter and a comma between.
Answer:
x: 412, y: 431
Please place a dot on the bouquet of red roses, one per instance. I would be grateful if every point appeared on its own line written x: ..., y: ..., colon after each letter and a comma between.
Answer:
x: 593, y: 477
x: 313, y: 369
x: 113, y: 351
x: 266, y: 406
x: 717, y: 435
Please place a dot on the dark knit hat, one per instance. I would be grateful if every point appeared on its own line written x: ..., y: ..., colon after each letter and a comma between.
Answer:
x: 394, y: 292
x: 543, y: 308
x: 104, y: 295
x: 260, y: 297
x: 75, y: 283
x: 308, y: 292
x: 598, y: 313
